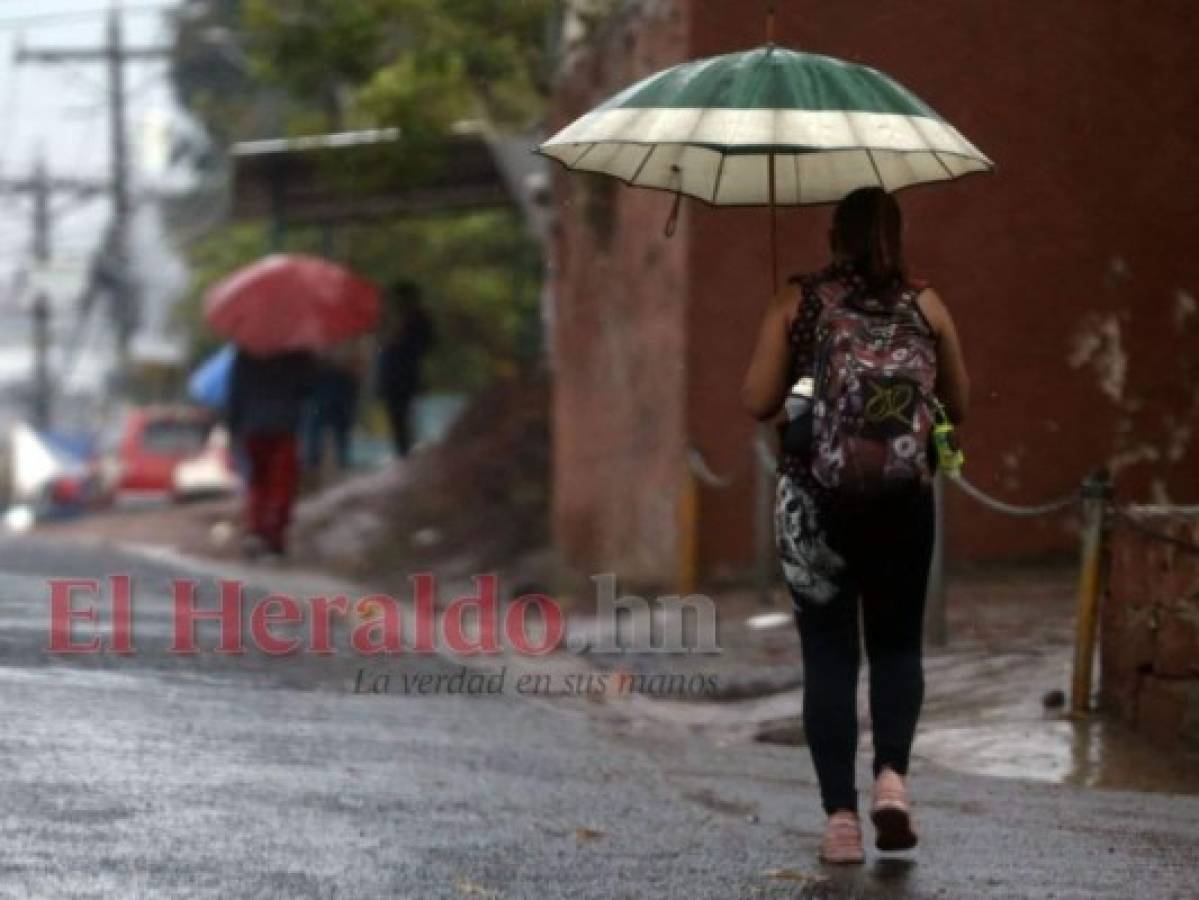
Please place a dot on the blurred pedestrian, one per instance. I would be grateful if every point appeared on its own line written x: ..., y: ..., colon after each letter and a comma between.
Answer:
x: 333, y: 409
x: 407, y: 339
x: 266, y: 402
x: 860, y: 356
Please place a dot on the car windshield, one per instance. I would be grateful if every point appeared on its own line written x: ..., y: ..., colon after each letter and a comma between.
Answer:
x: 175, y: 437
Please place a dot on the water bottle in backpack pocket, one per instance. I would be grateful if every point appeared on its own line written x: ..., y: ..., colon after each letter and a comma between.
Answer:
x: 795, y: 434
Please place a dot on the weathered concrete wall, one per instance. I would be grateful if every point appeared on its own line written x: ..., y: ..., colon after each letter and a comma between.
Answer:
x: 1070, y: 271
x: 1149, y: 654
x: 620, y: 288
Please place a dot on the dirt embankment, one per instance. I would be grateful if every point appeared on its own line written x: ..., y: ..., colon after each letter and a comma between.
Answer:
x: 477, y: 502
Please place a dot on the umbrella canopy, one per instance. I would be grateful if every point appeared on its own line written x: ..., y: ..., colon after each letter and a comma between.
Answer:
x: 767, y: 126
x: 291, y: 302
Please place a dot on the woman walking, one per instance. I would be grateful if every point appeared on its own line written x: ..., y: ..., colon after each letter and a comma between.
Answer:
x: 863, y: 357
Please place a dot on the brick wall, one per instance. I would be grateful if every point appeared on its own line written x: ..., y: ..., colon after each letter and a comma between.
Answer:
x: 1149, y: 645
x: 1071, y: 271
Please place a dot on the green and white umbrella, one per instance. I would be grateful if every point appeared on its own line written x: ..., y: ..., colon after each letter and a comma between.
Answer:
x: 717, y: 129
x: 767, y: 127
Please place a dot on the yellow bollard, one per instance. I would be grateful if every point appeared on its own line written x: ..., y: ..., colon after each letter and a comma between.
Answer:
x: 1096, y: 491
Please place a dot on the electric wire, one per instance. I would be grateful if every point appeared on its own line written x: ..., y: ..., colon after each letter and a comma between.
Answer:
x: 66, y: 17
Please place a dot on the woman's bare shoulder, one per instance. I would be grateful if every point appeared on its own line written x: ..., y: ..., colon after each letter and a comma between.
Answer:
x: 787, y: 302
x: 933, y: 307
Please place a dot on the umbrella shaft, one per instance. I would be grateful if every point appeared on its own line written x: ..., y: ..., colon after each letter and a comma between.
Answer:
x: 774, y: 235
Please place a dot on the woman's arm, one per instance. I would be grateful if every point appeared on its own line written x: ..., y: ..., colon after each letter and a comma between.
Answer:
x: 766, y: 382
x: 953, y: 382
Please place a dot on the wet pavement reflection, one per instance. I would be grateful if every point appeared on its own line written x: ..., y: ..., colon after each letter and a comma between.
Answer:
x: 994, y: 698
x: 986, y: 711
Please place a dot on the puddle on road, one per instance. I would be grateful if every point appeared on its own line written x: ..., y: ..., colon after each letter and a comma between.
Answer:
x: 983, y: 714
x: 1091, y: 753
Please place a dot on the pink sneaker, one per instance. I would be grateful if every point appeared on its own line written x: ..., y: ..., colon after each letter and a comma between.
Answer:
x: 842, y: 842
x: 891, y: 814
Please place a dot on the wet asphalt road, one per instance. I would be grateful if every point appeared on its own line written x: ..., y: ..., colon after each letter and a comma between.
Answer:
x: 162, y: 776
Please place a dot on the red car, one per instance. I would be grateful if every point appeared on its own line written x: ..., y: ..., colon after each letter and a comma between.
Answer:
x: 139, y: 457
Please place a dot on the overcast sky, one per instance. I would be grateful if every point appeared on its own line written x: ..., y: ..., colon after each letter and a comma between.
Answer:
x: 61, y: 111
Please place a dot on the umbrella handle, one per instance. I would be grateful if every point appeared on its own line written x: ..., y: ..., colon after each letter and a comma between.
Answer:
x: 770, y: 5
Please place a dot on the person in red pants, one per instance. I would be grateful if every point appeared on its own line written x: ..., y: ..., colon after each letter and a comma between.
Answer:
x: 266, y: 404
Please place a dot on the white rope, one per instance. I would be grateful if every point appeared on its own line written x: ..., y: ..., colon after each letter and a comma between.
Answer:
x: 1012, y: 509
x: 769, y: 462
x: 1160, y: 509
x: 701, y: 470
x: 765, y: 456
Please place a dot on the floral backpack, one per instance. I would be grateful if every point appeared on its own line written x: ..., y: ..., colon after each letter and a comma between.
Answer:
x: 875, y: 369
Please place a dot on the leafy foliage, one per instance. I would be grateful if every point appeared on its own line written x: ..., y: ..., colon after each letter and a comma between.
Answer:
x: 212, y: 75
x: 252, y: 68
x: 419, y: 64
x: 481, y: 276
x: 480, y: 273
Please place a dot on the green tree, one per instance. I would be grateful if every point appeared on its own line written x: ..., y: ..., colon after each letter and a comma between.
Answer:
x: 250, y: 68
x: 421, y: 65
x: 479, y: 270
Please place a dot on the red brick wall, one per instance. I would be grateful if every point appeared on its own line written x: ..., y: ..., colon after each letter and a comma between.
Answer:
x: 1149, y: 653
x: 1068, y: 270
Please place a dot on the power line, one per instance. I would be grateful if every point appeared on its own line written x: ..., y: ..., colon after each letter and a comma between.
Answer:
x: 15, y: 23
x: 59, y: 10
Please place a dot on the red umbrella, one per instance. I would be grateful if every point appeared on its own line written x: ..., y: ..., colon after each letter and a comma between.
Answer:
x: 291, y: 302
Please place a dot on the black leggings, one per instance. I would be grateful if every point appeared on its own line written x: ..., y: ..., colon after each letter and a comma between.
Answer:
x: 887, y: 545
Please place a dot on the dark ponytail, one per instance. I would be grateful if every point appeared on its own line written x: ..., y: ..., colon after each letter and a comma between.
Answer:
x: 868, y: 231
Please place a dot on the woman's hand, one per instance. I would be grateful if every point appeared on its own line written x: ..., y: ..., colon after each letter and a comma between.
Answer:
x: 766, y: 382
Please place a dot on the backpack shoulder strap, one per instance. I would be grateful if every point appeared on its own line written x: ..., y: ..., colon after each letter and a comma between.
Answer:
x: 802, y: 336
x: 911, y: 295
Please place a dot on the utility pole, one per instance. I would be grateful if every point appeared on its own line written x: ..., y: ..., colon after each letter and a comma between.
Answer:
x: 114, y: 55
x: 126, y: 310
x: 41, y: 303
x: 42, y: 188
